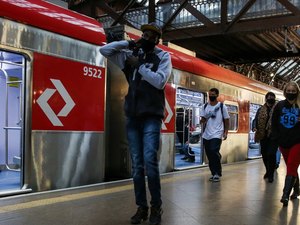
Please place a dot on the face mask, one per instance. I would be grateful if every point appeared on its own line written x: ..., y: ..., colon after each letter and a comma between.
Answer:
x: 291, y: 96
x: 146, y: 45
x: 212, y: 98
x: 271, y: 101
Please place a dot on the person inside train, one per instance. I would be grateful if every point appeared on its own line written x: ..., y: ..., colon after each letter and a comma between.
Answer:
x: 267, y: 146
x: 285, y: 130
x: 183, y: 133
x: 215, y: 120
x: 147, y: 69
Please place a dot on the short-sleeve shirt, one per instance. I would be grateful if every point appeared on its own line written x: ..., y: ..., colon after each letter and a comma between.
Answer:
x: 214, y: 126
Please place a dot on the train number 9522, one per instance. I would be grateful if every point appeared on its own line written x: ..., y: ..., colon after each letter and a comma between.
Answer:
x: 92, y: 72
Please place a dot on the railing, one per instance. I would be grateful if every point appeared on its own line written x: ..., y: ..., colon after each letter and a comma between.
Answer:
x: 209, y: 8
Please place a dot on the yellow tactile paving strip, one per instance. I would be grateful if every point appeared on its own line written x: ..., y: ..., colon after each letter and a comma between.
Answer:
x: 72, y: 197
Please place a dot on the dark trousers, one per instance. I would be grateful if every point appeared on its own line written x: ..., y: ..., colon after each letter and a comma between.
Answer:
x: 212, y: 151
x: 268, y: 152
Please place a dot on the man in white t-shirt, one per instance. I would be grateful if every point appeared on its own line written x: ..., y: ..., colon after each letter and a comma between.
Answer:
x: 215, y: 117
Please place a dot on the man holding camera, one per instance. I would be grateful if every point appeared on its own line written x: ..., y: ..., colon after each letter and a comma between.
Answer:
x: 147, y: 69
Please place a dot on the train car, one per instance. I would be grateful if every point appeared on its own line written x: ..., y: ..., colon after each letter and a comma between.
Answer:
x: 186, y: 93
x: 53, y: 87
x: 62, y: 113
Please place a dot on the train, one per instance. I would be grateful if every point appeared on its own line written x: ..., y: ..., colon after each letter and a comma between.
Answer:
x: 62, y: 113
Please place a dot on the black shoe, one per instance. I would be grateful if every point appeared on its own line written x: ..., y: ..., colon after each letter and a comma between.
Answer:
x: 140, y: 215
x: 296, y: 191
x: 184, y: 158
x: 294, y: 195
x: 265, y: 176
x: 155, y: 216
x: 270, y: 179
x: 190, y: 159
x: 288, y: 185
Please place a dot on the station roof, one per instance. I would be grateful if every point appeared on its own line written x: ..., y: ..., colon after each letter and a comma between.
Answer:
x: 260, y: 39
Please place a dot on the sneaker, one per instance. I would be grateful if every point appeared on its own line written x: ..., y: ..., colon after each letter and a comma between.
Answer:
x: 140, y: 215
x: 184, y: 158
x: 211, y: 178
x: 216, y: 178
x: 155, y: 216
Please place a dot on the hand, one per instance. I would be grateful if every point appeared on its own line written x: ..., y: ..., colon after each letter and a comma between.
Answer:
x: 138, y: 42
x: 133, y: 61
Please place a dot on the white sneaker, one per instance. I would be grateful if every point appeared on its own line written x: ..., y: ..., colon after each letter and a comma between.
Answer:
x: 216, y: 178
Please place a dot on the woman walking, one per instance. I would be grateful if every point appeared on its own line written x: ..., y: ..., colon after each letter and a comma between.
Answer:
x: 286, y: 132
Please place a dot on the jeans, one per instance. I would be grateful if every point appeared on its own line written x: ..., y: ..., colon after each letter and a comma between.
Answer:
x: 212, y: 150
x: 143, y: 136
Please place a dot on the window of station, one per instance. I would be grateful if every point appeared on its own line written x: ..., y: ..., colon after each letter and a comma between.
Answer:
x: 234, y: 115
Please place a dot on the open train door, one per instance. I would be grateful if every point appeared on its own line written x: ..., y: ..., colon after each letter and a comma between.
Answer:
x: 12, y: 73
x: 188, y: 141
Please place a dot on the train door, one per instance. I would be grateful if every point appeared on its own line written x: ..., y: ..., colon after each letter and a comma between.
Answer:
x: 254, y: 148
x: 12, y: 70
x: 188, y: 141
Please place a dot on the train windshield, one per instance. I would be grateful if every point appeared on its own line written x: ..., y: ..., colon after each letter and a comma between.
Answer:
x: 12, y: 70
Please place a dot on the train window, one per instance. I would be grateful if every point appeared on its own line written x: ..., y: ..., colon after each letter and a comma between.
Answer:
x: 233, y: 112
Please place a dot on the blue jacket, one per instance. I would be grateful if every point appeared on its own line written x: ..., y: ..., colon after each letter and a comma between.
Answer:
x: 145, y: 95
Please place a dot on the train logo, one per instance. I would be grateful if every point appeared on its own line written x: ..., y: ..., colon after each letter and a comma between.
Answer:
x: 169, y: 115
x: 168, y: 125
x: 43, y: 102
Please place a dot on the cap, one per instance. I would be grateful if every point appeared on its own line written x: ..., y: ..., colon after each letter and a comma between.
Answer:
x: 152, y: 26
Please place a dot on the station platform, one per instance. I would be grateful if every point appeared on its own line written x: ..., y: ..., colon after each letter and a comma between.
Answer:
x: 242, y: 197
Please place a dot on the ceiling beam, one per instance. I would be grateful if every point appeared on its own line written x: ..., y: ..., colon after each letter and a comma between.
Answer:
x: 289, y: 6
x: 173, y: 16
x: 151, y: 11
x: 120, y: 17
x: 198, y: 15
x: 224, y: 13
x: 260, y: 25
x: 110, y: 12
x: 242, y: 12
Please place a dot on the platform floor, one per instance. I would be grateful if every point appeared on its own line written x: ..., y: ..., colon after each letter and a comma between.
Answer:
x: 241, y: 198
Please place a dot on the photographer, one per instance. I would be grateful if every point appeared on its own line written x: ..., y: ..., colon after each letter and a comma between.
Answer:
x: 147, y: 69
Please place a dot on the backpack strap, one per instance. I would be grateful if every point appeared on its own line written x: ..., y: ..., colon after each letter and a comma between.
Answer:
x: 221, y: 106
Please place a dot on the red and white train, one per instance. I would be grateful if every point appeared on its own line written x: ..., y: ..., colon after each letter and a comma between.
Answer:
x: 61, y: 117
